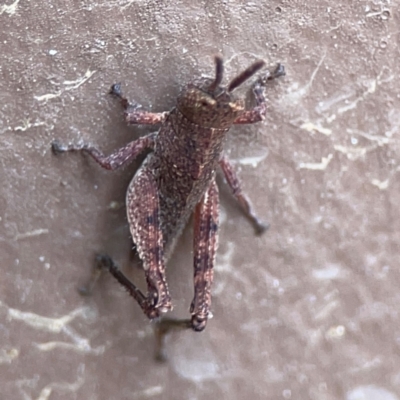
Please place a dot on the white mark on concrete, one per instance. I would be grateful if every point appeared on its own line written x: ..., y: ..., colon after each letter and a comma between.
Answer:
x: 57, y: 325
x: 287, y: 394
x: 198, y: 371
x: 382, y: 185
x: 330, y: 272
x: 326, y: 310
x: 54, y: 325
x: 253, y: 161
x: 49, y: 96
x: 196, y: 366
x: 11, y: 9
x: 82, y: 345
x: 35, y: 232
x: 26, y: 124
x: 223, y: 216
x: 301, y: 92
x: 371, y: 87
x: 45, y: 393
x: 383, y: 13
x: 335, y: 332
x: 223, y: 265
x: 129, y: 3
x: 317, y: 166
x: 370, y: 392
x: 63, y: 386
x: 330, y: 102
x: 69, y: 85
x: 354, y: 153
x: 350, y: 97
x: 379, y: 140
x: 7, y: 356
x: 149, y: 392
x: 315, y: 127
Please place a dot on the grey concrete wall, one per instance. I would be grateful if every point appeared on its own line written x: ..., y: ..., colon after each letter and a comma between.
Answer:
x: 308, y: 311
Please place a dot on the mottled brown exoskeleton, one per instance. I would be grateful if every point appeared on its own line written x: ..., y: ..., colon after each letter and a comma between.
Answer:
x: 176, y: 180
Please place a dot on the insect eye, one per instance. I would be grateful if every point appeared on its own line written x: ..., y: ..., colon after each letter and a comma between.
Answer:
x: 207, y: 102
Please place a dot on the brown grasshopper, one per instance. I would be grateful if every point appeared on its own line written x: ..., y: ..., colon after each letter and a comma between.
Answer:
x: 176, y: 180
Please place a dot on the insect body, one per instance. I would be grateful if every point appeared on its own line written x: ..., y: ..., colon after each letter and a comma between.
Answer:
x: 177, y: 179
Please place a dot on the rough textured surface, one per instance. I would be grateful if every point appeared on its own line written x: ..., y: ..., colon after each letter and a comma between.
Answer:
x: 308, y: 311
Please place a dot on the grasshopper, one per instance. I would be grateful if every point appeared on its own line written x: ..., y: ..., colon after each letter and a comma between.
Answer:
x: 176, y: 180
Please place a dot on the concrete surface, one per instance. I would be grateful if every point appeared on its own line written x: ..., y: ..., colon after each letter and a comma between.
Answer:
x: 308, y: 311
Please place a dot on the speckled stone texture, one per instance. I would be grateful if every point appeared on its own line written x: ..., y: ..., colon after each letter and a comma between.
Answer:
x: 310, y: 310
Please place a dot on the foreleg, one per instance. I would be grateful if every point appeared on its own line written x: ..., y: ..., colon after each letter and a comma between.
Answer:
x: 258, y: 112
x: 133, y: 114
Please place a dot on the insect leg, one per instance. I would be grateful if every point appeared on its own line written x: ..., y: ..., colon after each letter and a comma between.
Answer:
x: 258, y: 112
x: 205, y: 247
x: 105, y: 262
x: 133, y: 114
x: 234, y: 183
x: 143, y: 215
x: 115, y: 160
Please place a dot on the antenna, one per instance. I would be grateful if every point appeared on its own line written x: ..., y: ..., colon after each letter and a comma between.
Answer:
x: 246, y: 74
x: 219, y: 73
